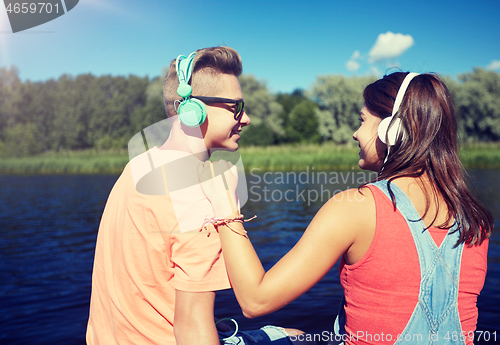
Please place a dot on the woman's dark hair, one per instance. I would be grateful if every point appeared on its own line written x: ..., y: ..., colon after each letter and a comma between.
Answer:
x: 429, y: 146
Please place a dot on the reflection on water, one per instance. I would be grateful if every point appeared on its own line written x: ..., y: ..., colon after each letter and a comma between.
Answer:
x: 48, y: 227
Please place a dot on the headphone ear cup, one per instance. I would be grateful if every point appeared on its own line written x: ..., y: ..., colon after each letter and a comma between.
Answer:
x: 390, y: 133
x: 184, y: 90
x: 192, y: 112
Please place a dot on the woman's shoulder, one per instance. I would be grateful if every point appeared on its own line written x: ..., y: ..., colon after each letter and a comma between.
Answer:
x: 352, y: 197
x: 355, y: 207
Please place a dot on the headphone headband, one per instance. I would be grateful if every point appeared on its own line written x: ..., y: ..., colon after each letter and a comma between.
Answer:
x: 184, y: 68
x: 389, y: 128
x: 191, y: 111
x: 402, y: 91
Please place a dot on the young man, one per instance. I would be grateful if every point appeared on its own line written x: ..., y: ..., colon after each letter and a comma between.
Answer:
x: 155, y: 272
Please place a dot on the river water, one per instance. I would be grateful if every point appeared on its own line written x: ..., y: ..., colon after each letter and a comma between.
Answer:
x: 48, y: 228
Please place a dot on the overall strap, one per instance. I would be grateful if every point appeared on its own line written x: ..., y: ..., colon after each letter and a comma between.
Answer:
x: 439, y: 272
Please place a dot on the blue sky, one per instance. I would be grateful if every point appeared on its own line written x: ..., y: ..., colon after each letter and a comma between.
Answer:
x: 287, y: 43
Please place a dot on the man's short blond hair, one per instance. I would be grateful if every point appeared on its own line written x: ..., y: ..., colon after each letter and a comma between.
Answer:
x: 209, y: 64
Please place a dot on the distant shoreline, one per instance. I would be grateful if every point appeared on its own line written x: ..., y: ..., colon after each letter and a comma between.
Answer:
x: 324, y: 157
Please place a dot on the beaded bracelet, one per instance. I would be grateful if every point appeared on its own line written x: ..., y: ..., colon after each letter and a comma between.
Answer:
x: 225, y: 221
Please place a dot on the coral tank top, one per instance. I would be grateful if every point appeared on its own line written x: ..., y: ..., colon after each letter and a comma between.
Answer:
x: 381, y: 289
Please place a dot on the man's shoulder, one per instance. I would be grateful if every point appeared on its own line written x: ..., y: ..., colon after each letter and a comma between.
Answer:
x: 126, y: 194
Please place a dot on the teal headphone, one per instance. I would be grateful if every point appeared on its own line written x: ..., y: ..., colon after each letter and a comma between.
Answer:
x: 192, y: 112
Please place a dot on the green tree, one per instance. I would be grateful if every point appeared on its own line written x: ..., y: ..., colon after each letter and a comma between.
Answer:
x: 288, y: 102
x: 154, y: 109
x: 266, y: 125
x: 477, y: 102
x: 258, y: 135
x: 10, y: 93
x: 23, y: 139
x: 340, y: 101
x: 303, y: 123
x: 105, y: 112
x: 109, y: 125
x: 152, y: 112
x: 73, y: 112
x: 155, y: 87
x: 36, y: 106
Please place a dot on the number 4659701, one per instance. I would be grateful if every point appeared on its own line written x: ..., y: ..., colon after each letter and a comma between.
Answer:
x: 32, y: 7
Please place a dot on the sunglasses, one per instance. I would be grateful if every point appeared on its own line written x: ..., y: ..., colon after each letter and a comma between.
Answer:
x: 238, y: 112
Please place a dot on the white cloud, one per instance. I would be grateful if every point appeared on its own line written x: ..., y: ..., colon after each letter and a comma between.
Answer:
x: 389, y: 46
x: 494, y: 65
x: 352, y: 65
x: 355, y: 55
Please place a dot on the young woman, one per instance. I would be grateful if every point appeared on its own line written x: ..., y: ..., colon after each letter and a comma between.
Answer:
x: 413, y: 243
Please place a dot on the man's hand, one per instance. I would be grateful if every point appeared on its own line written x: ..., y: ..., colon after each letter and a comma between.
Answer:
x: 219, y: 181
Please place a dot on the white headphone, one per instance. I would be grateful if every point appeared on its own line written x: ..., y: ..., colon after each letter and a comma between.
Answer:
x: 391, y: 133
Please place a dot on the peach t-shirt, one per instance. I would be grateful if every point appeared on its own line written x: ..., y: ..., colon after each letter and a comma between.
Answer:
x: 141, y: 258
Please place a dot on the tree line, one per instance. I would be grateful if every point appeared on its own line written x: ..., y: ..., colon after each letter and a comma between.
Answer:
x: 104, y: 112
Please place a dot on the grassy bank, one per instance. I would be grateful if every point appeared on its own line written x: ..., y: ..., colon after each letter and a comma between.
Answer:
x: 66, y: 162
x: 274, y: 158
x: 480, y: 156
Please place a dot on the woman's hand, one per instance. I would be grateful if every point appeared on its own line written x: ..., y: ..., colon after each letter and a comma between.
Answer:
x: 218, y: 181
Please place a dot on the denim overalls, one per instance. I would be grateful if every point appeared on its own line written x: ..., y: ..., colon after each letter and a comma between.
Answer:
x: 435, y: 319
